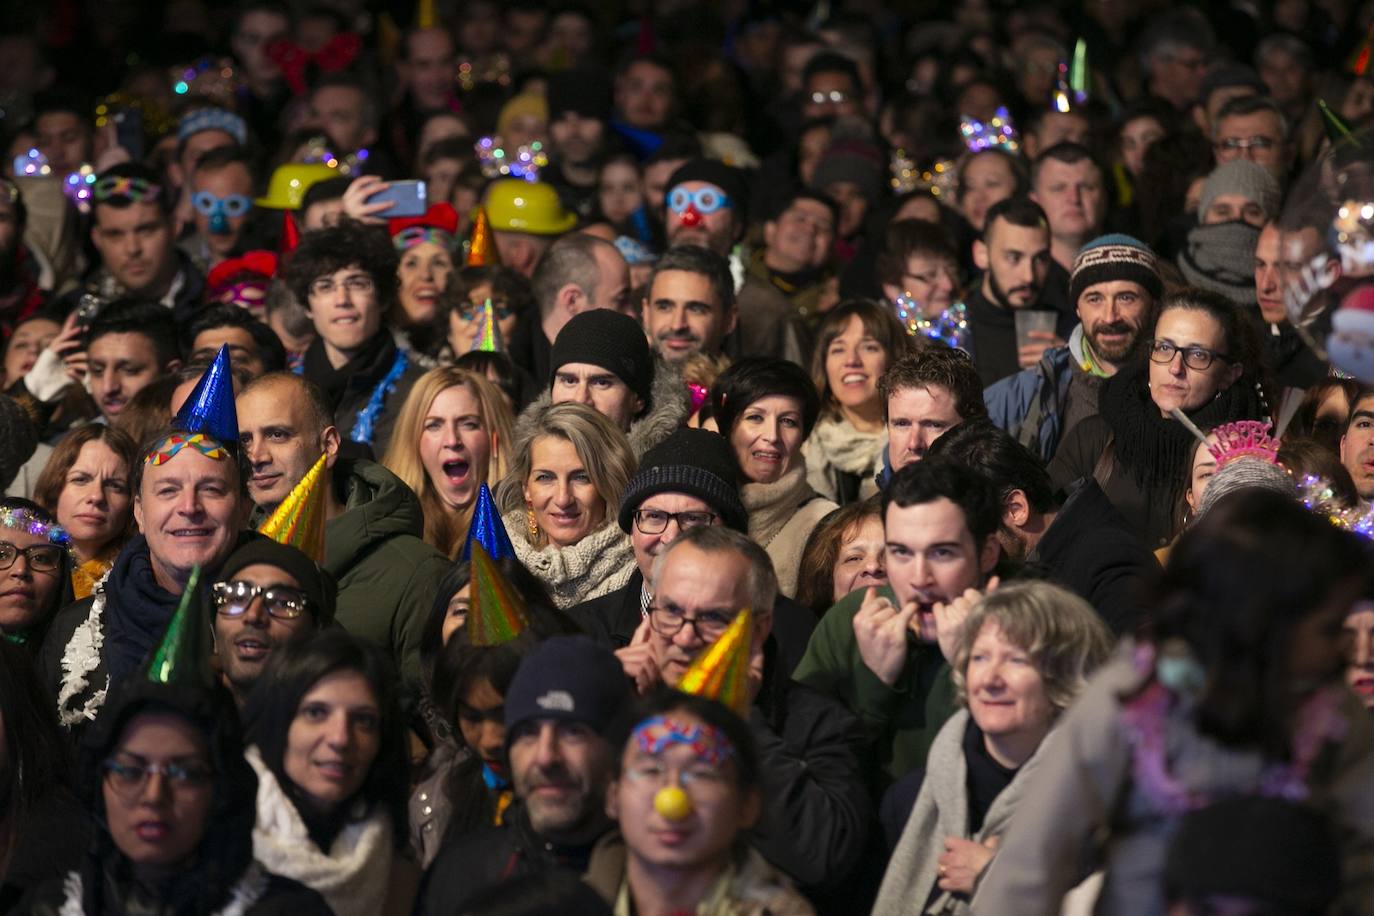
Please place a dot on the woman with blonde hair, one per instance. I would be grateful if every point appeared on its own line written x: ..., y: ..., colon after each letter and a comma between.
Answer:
x: 561, y: 498
x: 453, y: 435
x: 1020, y: 659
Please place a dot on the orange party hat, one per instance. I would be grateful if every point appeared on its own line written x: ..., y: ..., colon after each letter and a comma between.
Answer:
x: 481, y: 247
x: 299, y: 520
x: 721, y: 671
x: 497, y: 614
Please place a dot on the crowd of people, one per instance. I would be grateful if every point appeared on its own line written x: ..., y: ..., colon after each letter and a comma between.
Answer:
x: 758, y: 458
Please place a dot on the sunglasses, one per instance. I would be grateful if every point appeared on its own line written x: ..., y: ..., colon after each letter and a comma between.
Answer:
x: 282, y: 601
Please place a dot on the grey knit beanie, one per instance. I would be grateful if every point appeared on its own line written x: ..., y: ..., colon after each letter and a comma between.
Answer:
x: 1243, y: 177
x: 1245, y: 474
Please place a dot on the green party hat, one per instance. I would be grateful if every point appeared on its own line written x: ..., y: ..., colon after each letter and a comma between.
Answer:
x: 182, y: 658
x: 497, y: 613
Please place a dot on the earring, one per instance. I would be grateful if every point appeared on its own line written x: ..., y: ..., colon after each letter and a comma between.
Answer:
x: 531, y: 525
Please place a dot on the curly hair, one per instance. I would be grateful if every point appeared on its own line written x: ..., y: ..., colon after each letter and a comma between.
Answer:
x: 334, y: 248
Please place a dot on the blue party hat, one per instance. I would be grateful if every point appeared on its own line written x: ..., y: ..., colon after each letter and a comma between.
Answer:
x: 210, y: 407
x: 487, y: 529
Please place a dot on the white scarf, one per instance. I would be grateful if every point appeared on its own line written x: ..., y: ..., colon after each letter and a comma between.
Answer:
x: 353, y: 877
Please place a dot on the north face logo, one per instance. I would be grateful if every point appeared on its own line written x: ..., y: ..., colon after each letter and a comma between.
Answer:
x: 557, y: 700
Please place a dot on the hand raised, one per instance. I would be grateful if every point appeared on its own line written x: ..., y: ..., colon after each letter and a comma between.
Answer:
x: 881, y: 633
x: 638, y: 660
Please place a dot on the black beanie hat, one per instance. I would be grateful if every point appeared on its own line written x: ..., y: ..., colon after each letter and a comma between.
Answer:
x: 615, y: 342
x: 571, y: 678
x: 318, y: 585
x: 585, y: 91
x: 697, y: 462
x: 712, y: 171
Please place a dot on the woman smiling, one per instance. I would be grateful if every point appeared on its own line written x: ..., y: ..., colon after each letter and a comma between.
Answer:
x: 327, y: 742
x: 561, y: 497
x: 766, y: 409
x: 856, y: 342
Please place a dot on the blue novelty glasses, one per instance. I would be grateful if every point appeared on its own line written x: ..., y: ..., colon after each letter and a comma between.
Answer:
x: 706, y: 200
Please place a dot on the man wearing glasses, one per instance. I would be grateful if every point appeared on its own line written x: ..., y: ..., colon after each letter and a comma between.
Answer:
x: 686, y: 481
x: 345, y: 276
x: 1254, y: 128
x: 814, y: 823
x: 266, y: 596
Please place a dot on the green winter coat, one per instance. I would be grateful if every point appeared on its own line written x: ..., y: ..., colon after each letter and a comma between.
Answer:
x: 388, y: 577
x: 902, y: 720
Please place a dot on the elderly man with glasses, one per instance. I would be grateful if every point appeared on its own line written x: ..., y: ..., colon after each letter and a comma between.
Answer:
x: 815, y: 821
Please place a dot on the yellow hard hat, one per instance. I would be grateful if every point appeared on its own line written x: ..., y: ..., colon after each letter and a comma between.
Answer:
x: 516, y: 205
x: 289, y: 183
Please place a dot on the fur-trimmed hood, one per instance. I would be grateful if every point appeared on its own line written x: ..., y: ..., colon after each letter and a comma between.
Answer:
x: 668, y: 409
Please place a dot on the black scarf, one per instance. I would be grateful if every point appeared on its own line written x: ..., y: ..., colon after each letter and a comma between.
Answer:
x: 137, y: 609
x: 365, y: 369
x: 1155, y: 448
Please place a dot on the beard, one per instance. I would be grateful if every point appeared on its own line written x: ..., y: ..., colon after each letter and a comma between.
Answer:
x: 1003, y: 296
x: 1114, y: 352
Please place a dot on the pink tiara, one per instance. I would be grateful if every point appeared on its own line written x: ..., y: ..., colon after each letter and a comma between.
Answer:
x: 1244, y: 439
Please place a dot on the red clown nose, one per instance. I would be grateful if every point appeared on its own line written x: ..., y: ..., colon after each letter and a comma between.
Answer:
x: 690, y: 217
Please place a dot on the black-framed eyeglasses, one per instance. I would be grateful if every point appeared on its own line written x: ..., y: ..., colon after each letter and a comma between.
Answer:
x: 282, y: 601
x: 668, y: 622
x: 1199, y: 358
x: 40, y: 557
x: 655, y: 521
x: 129, y: 779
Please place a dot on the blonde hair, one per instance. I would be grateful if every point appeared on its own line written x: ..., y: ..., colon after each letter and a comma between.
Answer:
x: 446, y: 528
x: 1063, y: 635
x: 601, y: 447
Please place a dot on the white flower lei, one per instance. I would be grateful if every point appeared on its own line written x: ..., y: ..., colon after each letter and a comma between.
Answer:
x: 81, y: 657
x: 246, y: 892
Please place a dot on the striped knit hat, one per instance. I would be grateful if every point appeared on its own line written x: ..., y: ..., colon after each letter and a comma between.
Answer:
x: 1115, y: 257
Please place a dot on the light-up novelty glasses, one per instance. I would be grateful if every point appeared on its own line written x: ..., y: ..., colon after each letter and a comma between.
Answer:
x: 220, y: 209
x: 137, y: 190
x: 705, y: 200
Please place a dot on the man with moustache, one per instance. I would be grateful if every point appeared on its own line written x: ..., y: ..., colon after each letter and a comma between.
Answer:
x: 1115, y: 286
x: 566, y: 695
x: 882, y: 652
x: 267, y: 595
x: 373, y: 532
x: 1014, y: 255
x: 689, y: 303
x: 1357, y: 445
